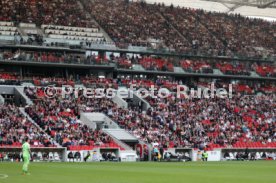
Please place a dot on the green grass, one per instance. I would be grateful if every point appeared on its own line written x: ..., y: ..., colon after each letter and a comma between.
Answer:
x: 191, y: 172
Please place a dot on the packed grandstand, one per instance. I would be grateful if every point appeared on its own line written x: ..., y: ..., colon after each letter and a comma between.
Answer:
x: 116, y: 44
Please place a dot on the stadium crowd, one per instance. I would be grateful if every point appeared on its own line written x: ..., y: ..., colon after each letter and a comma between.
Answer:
x: 55, y: 12
x: 182, y: 29
x: 14, y: 127
x: 169, y: 122
x: 155, y: 63
x: 243, y: 36
x: 202, y: 40
x: 53, y: 57
x: 138, y: 24
x: 223, y: 122
x: 59, y: 117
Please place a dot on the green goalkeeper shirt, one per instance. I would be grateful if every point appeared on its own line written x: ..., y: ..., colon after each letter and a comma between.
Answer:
x: 26, y: 149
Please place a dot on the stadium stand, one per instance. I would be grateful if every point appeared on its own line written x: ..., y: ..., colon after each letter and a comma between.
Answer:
x: 172, y: 122
x: 206, y: 33
x: 7, y: 28
x: 230, y: 69
x: 136, y: 24
x: 243, y: 36
x: 266, y: 70
x: 196, y: 66
x: 9, y: 79
x: 73, y: 33
x: 14, y: 127
x: 150, y: 63
x: 169, y: 45
x: 61, y: 120
x: 55, y: 12
x: 201, y: 39
x: 176, y: 124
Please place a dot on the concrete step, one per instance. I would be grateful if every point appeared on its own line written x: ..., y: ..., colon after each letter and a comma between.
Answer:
x: 120, y: 135
x: 20, y: 90
x: 107, y: 37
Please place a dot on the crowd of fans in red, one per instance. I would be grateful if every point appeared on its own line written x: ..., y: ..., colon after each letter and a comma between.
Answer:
x: 196, y: 65
x: 9, y: 79
x: 59, y: 117
x: 265, y: 70
x: 14, y: 127
x: 170, y: 122
x: 212, y: 122
x: 154, y: 63
x: 234, y: 69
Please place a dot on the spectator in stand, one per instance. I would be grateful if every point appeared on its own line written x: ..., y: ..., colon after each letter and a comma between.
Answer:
x: 60, y: 119
x: 169, y: 122
x: 55, y: 12
x: 184, y: 30
x: 137, y: 24
x: 14, y: 127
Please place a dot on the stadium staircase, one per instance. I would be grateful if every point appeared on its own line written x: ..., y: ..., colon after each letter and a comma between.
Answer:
x: 2, y: 100
x: 172, y: 26
x: 22, y: 110
x: 120, y: 101
x: 107, y: 37
x: 137, y: 99
x: 211, y: 32
x: 96, y: 120
x: 100, y: 121
x: 20, y: 90
x: 121, y: 137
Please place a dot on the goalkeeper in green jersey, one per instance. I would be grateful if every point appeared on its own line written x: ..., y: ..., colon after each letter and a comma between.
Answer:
x: 26, y: 152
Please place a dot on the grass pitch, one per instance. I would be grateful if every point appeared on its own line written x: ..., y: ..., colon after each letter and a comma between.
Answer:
x: 194, y: 172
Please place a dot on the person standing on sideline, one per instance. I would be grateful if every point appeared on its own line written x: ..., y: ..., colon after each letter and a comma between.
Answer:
x: 204, y: 156
x: 26, y: 152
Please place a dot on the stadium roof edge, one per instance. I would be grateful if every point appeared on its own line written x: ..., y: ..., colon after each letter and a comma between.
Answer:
x: 222, y: 7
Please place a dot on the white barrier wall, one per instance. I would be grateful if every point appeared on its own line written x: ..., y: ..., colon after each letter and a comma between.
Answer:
x: 214, y: 155
x: 128, y: 156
